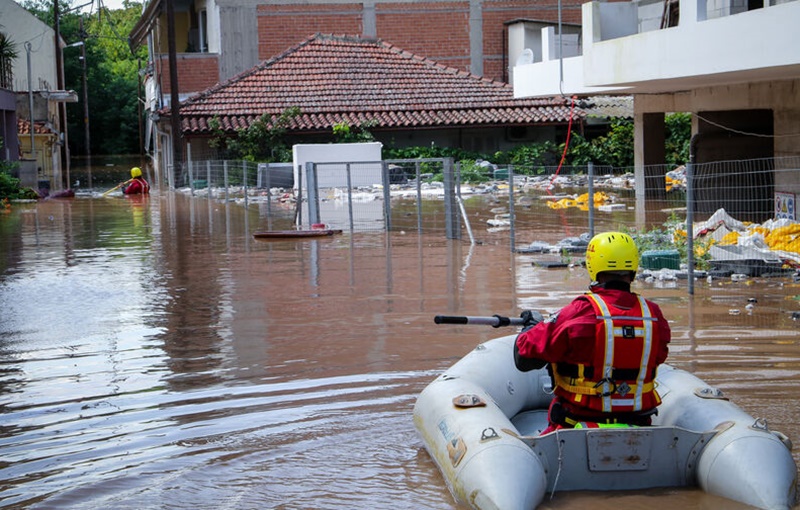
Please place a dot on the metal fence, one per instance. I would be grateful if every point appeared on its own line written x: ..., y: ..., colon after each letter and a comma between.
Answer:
x: 510, y: 203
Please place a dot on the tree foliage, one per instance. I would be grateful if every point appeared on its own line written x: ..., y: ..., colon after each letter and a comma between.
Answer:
x: 679, y: 135
x: 264, y: 140
x: 9, y: 185
x: 113, y: 83
x: 8, y: 53
x: 343, y: 132
x: 112, y: 74
x: 615, y: 148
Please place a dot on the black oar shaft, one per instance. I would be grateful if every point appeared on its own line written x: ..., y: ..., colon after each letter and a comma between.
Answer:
x: 494, y: 321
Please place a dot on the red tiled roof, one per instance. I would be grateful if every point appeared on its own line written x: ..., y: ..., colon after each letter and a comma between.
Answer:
x: 338, y: 78
x: 39, y: 128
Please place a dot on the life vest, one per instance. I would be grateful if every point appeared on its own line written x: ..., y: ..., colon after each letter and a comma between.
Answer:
x: 621, y: 376
x: 595, y: 425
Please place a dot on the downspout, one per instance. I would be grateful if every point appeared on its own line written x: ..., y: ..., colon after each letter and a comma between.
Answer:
x: 30, y: 98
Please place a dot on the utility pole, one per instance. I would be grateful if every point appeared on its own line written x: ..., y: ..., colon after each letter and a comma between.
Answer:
x: 86, y: 105
x: 62, y: 109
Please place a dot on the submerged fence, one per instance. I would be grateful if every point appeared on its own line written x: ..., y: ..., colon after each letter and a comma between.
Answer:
x: 516, y: 206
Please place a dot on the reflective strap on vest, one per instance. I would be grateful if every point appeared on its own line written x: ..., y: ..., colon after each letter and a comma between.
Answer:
x: 597, y: 389
x: 600, y: 425
x: 608, y: 359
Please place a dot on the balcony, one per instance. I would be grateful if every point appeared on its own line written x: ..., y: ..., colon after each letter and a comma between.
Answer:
x: 633, y: 47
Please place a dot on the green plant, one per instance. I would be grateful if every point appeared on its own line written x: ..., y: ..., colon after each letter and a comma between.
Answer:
x: 264, y: 140
x: 9, y: 185
x: 473, y: 173
x: 531, y: 158
x: 616, y: 147
x: 343, y: 132
x: 678, y: 136
x: 8, y: 53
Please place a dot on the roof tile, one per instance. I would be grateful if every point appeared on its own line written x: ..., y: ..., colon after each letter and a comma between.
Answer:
x: 331, y: 78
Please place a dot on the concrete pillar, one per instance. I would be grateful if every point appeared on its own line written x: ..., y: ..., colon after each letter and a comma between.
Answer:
x: 476, y: 37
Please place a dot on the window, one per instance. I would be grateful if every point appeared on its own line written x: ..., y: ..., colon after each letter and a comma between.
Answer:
x: 202, y: 22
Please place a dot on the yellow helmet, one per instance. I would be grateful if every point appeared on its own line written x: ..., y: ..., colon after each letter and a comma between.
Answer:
x: 611, y: 251
x: 136, y: 172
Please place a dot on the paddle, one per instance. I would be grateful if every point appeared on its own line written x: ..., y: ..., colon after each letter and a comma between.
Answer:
x: 118, y: 186
x: 495, y: 321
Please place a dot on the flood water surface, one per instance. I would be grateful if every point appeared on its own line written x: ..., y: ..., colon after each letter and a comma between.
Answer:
x: 154, y: 355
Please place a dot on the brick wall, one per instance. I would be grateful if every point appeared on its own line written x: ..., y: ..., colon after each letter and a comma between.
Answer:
x: 196, y: 72
x: 281, y: 27
x: 495, y: 37
x: 436, y: 29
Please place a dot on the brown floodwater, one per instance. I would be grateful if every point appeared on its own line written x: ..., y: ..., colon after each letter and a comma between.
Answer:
x: 154, y: 355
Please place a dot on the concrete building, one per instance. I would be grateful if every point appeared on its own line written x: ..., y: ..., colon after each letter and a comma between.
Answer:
x: 39, y: 148
x: 217, y: 40
x: 734, y: 65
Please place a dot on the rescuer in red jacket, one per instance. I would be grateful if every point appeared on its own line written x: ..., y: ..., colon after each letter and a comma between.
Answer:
x: 603, y: 348
x: 137, y: 184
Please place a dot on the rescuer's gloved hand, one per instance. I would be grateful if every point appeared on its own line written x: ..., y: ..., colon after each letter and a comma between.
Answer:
x: 530, y: 319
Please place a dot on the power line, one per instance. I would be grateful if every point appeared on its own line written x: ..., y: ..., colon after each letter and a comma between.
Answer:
x: 746, y: 133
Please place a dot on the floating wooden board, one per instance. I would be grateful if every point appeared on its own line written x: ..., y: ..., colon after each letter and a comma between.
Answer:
x: 295, y: 234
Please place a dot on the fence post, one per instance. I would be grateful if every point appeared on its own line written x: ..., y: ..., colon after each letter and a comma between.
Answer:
x: 225, y: 179
x: 349, y: 196
x: 590, y: 171
x: 313, y: 193
x: 269, y: 195
x: 387, y: 197
x: 208, y: 179
x: 511, y: 215
x: 191, y: 166
x: 690, y: 225
x: 451, y: 217
x: 244, y: 184
x: 298, y: 209
x: 419, y: 196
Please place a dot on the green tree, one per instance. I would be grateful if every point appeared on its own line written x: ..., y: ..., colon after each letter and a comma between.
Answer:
x: 616, y: 147
x: 8, y: 53
x: 264, y: 140
x: 679, y: 135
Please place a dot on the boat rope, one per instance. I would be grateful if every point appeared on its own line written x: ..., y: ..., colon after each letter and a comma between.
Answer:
x: 560, y: 464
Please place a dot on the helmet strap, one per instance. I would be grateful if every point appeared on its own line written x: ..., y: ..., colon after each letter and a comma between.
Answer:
x: 611, y: 285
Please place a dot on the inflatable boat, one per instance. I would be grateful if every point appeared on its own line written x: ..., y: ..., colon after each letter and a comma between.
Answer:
x: 481, y: 422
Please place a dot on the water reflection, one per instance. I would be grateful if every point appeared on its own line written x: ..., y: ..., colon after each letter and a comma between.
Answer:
x: 153, y: 354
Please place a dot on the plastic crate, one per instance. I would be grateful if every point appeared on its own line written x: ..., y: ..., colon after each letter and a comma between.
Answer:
x: 661, y: 259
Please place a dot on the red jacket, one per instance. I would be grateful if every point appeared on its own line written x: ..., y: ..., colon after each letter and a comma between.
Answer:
x: 571, y: 338
x: 137, y: 185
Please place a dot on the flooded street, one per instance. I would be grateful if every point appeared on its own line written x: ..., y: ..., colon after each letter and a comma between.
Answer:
x: 154, y: 355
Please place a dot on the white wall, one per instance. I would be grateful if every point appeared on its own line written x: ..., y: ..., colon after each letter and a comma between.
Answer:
x: 21, y: 27
x: 335, y: 176
x: 752, y: 44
